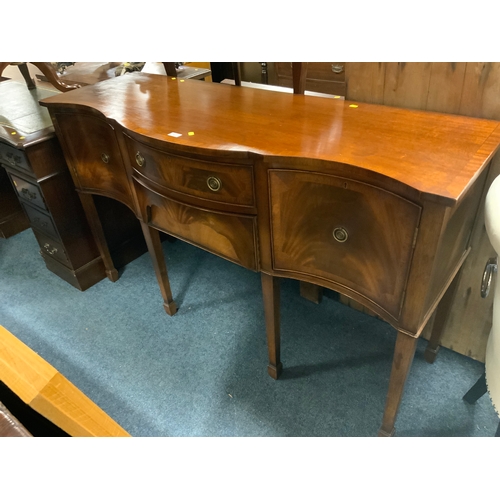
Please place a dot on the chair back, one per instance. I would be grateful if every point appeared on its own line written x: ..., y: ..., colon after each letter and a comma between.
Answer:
x: 492, y: 222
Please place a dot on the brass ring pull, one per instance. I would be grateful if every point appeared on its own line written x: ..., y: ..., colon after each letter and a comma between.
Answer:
x: 50, y: 250
x: 214, y: 183
x: 490, y: 268
x: 140, y: 160
x: 28, y: 194
x: 340, y: 234
x: 105, y: 158
x: 337, y: 68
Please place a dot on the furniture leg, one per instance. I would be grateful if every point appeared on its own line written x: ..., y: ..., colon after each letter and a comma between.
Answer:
x: 23, y: 68
x: 442, y: 313
x: 271, y: 295
x: 311, y: 292
x: 152, y: 237
x: 98, y: 233
x: 401, y: 363
x: 476, y: 391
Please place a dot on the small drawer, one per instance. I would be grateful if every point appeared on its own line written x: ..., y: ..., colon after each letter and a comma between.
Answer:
x: 230, y: 236
x: 51, y: 247
x: 14, y: 157
x: 222, y: 182
x: 28, y: 191
x: 40, y: 220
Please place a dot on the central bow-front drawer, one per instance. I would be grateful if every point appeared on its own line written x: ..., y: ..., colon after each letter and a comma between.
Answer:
x: 225, y: 183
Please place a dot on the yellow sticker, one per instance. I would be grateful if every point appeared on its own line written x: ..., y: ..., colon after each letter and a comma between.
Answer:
x: 336, y: 97
x: 353, y: 105
x: 181, y: 80
x: 190, y: 133
x: 13, y: 133
x: 22, y: 137
x: 173, y: 78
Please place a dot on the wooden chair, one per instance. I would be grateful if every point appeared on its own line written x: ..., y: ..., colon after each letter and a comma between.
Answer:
x: 48, y: 71
x: 490, y: 380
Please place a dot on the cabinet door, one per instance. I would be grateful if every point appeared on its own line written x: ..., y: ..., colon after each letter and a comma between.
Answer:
x: 94, y: 156
x: 344, y: 232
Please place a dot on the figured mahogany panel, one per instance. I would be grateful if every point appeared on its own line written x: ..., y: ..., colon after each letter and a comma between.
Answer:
x: 218, y: 181
x: 95, y: 157
x: 343, y: 231
x: 230, y: 236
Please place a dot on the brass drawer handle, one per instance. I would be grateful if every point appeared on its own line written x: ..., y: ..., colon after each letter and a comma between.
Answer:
x: 214, y: 183
x: 105, y: 158
x: 340, y: 234
x: 337, y: 68
x: 28, y: 194
x: 490, y: 269
x: 50, y: 250
x: 140, y: 160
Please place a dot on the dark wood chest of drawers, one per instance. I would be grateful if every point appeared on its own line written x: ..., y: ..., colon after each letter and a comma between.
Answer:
x: 32, y: 159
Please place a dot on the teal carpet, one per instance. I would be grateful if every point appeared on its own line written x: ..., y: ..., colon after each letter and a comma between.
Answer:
x: 203, y: 371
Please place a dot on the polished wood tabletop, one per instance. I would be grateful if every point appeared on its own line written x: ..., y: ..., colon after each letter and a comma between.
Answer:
x: 436, y: 154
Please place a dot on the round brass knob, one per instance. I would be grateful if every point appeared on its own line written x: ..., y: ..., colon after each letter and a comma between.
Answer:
x: 214, y: 183
x: 140, y: 160
x: 340, y: 234
x: 105, y: 158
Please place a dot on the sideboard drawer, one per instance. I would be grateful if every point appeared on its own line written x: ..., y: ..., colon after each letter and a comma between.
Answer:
x: 230, y: 236
x: 13, y: 157
x: 206, y: 179
x: 28, y: 191
x: 345, y: 232
x: 51, y: 247
x: 94, y: 156
x: 40, y: 220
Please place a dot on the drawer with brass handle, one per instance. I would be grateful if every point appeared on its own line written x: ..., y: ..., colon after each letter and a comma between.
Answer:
x: 342, y: 231
x: 28, y: 191
x: 13, y: 157
x: 228, y: 183
x: 50, y: 247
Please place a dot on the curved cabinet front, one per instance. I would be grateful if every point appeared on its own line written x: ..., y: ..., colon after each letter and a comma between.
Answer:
x: 344, y: 232
x: 94, y: 158
x: 228, y: 235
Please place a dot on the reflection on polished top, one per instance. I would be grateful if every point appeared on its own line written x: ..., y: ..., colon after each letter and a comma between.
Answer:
x: 437, y: 154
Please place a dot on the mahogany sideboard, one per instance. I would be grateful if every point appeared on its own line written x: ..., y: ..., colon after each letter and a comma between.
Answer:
x: 35, y: 168
x: 371, y: 201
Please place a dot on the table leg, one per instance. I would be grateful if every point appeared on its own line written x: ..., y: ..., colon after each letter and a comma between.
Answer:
x: 442, y: 312
x: 401, y: 363
x: 98, y: 233
x: 271, y: 295
x: 153, y: 242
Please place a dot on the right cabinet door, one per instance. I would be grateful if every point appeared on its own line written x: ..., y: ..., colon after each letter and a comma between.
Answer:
x: 345, y: 232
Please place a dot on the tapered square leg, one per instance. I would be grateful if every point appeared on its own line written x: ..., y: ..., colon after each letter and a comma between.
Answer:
x: 404, y: 353
x: 98, y: 233
x: 271, y: 295
x: 153, y: 242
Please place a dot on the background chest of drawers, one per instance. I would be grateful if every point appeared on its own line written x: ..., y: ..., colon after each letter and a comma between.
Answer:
x: 33, y: 161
